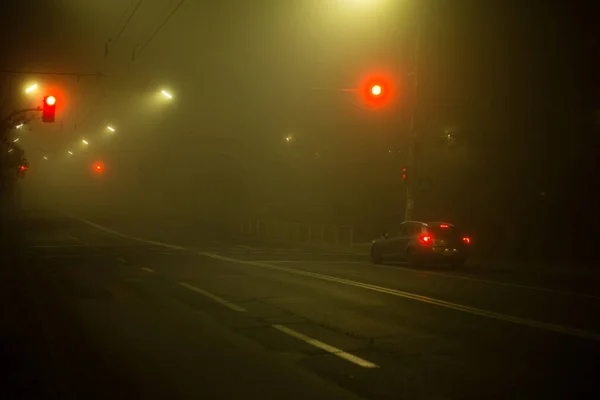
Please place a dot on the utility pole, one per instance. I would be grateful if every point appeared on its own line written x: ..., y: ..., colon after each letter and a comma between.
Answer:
x: 410, y: 182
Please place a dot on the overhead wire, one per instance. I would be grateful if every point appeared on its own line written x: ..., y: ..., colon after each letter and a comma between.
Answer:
x: 159, y: 28
x: 137, y: 6
x: 123, y: 23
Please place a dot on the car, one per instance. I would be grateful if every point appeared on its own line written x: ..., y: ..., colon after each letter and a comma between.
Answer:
x: 421, y: 243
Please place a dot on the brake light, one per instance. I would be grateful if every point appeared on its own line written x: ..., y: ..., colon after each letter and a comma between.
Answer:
x: 467, y: 240
x: 426, y: 239
x: 444, y: 226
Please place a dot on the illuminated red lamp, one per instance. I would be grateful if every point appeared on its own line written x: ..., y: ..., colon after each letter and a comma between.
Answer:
x: 49, y: 109
x: 426, y: 239
x: 377, y: 91
x: 98, y: 167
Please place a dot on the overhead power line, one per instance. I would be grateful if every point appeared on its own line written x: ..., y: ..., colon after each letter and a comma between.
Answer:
x: 137, y: 6
x: 158, y: 29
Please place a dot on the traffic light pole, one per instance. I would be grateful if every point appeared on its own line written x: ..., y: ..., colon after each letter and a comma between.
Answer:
x: 14, y: 114
x: 410, y: 181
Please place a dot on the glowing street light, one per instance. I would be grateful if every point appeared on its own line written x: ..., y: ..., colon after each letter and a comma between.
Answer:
x: 16, y: 140
x: 70, y: 152
x: 166, y: 94
x: 84, y: 142
x: 45, y: 158
x: 10, y: 150
x: 19, y: 126
x: 31, y: 88
x: 110, y: 128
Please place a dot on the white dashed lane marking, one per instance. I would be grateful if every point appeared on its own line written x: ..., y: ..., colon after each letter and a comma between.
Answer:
x: 328, y: 348
x: 219, y: 300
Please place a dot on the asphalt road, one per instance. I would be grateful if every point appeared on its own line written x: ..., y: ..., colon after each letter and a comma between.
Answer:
x: 114, y: 309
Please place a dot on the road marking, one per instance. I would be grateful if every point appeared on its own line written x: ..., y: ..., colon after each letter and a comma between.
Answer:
x: 445, y: 275
x: 73, y: 238
x: 324, y: 346
x: 313, y: 261
x: 136, y: 239
x: 424, y: 299
x: 488, y: 281
x: 146, y: 269
x: 213, y: 297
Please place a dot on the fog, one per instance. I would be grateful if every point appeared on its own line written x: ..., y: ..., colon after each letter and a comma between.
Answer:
x: 251, y: 132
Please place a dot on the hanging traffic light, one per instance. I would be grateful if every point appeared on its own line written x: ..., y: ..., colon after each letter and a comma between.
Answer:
x: 377, y: 91
x: 404, y: 174
x: 98, y: 168
x: 49, y: 109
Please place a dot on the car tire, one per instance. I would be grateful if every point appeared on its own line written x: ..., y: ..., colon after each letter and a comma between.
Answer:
x: 376, y: 256
x: 413, y: 259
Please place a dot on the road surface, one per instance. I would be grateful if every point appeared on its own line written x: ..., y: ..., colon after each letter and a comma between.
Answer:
x: 114, y: 309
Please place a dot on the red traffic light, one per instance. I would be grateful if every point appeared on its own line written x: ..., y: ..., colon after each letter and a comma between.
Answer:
x: 22, y: 168
x: 49, y: 109
x: 377, y: 91
x: 98, y: 167
x: 404, y: 173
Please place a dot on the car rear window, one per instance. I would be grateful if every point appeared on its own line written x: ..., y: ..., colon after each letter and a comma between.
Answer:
x: 443, y: 230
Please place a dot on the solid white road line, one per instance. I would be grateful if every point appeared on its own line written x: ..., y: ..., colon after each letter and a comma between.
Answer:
x: 424, y: 299
x: 146, y: 269
x: 324, y: 346
x: 213, y: 297
x: 442, y: 274
x: 487, y: 281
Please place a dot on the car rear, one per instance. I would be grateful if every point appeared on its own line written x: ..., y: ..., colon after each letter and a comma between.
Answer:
x: 443, y: 242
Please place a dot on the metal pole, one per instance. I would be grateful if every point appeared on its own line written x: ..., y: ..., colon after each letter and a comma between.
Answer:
x: 14, y: 114
x: 410, y: 188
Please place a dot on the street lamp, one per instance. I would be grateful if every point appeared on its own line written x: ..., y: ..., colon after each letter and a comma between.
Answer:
x: 19, y: 126
x: 45, y: 158
x: 31, y: 88
x: 85, y: 142
x: 16, y: 140
x: 70, y: 152
x: 166, y: 94
x: 110, y: 128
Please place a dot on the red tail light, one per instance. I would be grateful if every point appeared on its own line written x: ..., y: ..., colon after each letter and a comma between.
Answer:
x: 426, y: 239
x: 466, y: 239
x: 444, y: 226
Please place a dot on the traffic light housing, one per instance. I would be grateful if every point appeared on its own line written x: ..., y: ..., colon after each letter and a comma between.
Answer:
x: 404, y: 174
x: 49, y: 109
x: 377, y: 91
